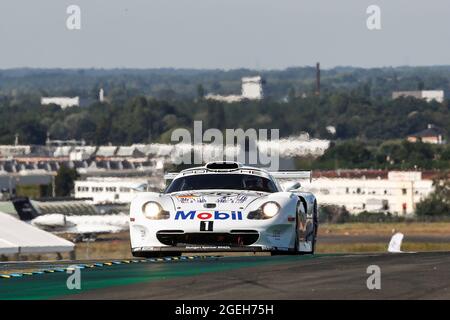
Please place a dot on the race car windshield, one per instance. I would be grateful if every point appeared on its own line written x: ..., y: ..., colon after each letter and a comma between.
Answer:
x: 221, y: 182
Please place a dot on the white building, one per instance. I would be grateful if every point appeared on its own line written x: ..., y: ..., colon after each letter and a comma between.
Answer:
x: 398, y: 193
x: 227, y: 99
x: 106, y: 151
x: 63, y: 102
x: 79, y: 155
x: 110, y: 189
x: 428, y: 95
x: 252, y: 88
x: 14, y: 151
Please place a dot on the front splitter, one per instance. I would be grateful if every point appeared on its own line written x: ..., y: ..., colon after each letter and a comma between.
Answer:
x: 202, y: 249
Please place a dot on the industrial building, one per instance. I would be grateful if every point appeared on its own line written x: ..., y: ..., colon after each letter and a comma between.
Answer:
x: 112, y: 190
x: 251, y: 89
x: 396, y: 192
x: 63, y: 102
x: 427, y: 95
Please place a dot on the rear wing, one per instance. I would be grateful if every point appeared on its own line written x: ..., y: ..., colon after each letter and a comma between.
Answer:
x: 170, y: 175
x: 279, y: 175
x: 292, y: 175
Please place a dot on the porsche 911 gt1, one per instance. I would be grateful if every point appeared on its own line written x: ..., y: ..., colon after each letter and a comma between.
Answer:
x: 225, y: 206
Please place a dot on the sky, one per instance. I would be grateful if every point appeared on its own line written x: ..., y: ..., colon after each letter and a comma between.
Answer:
x: 225, y: 34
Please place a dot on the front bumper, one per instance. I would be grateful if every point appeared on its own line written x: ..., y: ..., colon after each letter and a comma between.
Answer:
x: 277, y: 234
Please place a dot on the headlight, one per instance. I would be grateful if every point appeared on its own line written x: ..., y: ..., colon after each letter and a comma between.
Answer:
x: 266, y: 211
x: 151, y: 210
x: 270, y: 209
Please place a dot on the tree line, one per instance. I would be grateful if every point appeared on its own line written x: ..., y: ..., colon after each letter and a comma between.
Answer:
x: 172, y: 84
x: 142, y: 119
x: 388, y: 155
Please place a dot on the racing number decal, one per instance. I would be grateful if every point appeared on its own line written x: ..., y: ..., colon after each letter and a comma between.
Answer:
x: 206, y: 225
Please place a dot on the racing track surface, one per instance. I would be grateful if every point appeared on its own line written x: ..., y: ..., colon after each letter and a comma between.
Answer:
x: 403, y: 276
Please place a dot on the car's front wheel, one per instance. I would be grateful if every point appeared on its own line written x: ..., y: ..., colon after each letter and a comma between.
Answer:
x: 296, y: 249
x: 312, y: 236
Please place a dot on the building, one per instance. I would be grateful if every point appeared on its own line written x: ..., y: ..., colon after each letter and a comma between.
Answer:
x: 63, y: 102
x: 252, y: 88
x: 428, y: 95
x: 227, y: 99
x: 7, y: 151
x: 80, y: 154
x: 24, y: 183
x: 106, y: 151
x: 432, y: 135
x: 396, y: 192
x: 110, y: 190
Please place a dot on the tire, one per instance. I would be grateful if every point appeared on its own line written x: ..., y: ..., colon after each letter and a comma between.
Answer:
x: 296, y: 242
x: 316, y: 228
x: 291, y: 251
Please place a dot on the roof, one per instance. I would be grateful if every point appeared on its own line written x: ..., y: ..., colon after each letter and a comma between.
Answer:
x: 252, y: 79
x: 351, y: 174
x: 62, y: 151
x: 106, y: 151
x: 370, y: 174
x: 429, y: 132
x: 20, y: 237
x: 129, y: 152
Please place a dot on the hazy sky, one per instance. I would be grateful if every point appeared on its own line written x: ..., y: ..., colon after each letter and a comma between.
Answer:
x: 223, y: 33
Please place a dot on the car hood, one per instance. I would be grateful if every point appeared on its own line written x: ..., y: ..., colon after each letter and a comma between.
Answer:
x: 215, y: 200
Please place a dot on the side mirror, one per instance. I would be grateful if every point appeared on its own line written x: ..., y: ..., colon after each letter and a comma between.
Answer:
x: 295, y: 186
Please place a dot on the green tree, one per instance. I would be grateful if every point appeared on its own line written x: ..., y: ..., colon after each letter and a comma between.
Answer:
x: 333, y: 214
x: 200, y: 91
x: 291, y: 94
x: 348, y: 154
x: 65, y: 180
x: 438, y: 202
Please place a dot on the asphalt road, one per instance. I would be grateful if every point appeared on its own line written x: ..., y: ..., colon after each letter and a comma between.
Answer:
x: 365, y: 239
x: 403, y: 276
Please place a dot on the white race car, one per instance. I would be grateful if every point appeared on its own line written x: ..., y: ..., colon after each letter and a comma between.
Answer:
x: 224, y: 206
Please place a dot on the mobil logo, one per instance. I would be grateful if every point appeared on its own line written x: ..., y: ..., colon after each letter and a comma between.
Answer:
x: 208, y: 215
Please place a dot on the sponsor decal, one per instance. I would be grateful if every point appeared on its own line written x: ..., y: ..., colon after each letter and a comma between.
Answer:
x: 232, y: 199
x: 276, y: 234
x: 206, y: 225
x: 190, y: 198
x: 208, y: 215
x: 207, y: 247
x: 193, y: 198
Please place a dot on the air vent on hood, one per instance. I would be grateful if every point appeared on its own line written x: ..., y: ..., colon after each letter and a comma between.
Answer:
x: 222, y: 165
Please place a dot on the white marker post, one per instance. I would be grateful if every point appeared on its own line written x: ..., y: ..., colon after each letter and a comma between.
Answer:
x: 396, y: 243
